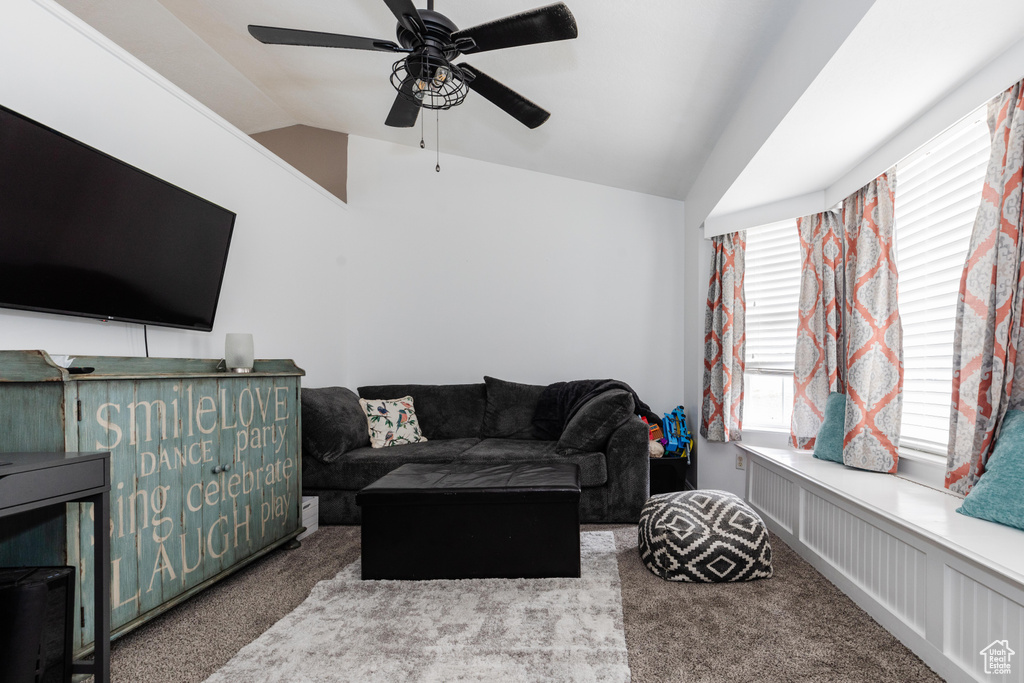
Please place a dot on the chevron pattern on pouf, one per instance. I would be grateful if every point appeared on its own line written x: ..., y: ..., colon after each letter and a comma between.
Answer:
x: 703, y: 537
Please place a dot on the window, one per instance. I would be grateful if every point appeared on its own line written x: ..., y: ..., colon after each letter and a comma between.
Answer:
x: 938, y: 191
x: 772, y: 289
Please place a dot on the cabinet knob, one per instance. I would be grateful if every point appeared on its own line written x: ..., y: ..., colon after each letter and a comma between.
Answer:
x: 225, y: 468
x: 218, y: 469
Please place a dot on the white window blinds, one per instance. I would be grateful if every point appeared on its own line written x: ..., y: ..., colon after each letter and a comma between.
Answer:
x: 938, y: 190
x: 772, y: 290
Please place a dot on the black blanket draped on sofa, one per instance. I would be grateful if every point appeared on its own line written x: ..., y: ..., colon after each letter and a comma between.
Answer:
x: 560, y: 401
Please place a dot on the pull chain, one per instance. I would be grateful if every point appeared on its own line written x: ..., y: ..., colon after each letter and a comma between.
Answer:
x: 422, y: 145
x: 437, y: 122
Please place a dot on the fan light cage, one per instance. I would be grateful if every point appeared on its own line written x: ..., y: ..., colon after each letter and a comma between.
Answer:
x: 444, y: 88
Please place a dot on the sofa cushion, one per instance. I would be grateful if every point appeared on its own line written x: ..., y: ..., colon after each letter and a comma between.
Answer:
x: 593, y: 468
x: 391, y: 423
x: 363, y: 466
x: 593, y: 424
x: 333, y: 423
x: 510, y: 408
x: 445, y: 411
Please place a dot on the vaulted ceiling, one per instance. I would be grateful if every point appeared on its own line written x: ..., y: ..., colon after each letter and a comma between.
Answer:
x: 640, y: 101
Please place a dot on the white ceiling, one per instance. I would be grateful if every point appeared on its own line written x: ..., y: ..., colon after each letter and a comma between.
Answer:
x: 637, y: 102
x: 903, y: 57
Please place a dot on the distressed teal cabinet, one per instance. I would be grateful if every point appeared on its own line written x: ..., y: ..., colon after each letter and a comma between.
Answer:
x: 205, y: 470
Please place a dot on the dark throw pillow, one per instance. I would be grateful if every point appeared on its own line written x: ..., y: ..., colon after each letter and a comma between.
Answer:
x: 997, y: 494
x: 590, y: 428
x: 828, y: 445
x: 333, y: 423
x: 510, y: 408
x: 444, y: 411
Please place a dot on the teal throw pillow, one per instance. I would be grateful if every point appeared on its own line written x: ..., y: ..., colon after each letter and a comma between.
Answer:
x: 998, y: 496
x: 828, y: 445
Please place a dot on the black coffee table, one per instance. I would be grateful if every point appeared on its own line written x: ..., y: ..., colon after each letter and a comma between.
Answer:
x: 460, y: 521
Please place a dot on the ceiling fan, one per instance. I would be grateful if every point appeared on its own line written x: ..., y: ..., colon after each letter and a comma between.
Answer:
x: 427, y: 77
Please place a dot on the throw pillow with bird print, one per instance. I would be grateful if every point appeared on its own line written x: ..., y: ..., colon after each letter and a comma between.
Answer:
x: 391, y: 421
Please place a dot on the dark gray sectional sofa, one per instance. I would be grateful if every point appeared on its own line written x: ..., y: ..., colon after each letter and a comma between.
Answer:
x: 485, y: 423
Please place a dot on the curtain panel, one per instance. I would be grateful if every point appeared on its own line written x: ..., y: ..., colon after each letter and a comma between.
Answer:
x: 849, y: 336
x: 817, y: 365
x: 988, y: 325
x: 724, y: 341
x: 874, y: 340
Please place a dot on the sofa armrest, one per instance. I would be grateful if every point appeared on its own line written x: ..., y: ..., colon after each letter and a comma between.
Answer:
x: 590, y: 429
x: 628, y: 461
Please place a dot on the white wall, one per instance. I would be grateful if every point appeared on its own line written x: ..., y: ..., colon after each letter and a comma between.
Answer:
x: 810, y: 39
x: 716, y: 462
x: 62, y: 73
x: 426, y: 277
x: 484, y: 269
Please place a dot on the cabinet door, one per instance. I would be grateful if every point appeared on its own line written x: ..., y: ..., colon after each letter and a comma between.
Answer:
x: 140, y: 423
x: 260, y: 488
x: 204, y: 473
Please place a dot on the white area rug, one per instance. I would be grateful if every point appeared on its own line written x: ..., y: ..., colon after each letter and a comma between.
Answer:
x: 470, y: 630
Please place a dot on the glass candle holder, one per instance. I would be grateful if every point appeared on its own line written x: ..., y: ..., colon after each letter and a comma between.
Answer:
x: 238, y: 352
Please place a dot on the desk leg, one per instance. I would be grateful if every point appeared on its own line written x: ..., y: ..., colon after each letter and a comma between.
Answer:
x: 101, y: 587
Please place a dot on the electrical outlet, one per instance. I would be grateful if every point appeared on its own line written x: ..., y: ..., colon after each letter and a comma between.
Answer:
x: 741, y: 461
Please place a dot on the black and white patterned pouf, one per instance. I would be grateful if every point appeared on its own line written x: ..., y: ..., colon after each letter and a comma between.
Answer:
x: 703, y: 537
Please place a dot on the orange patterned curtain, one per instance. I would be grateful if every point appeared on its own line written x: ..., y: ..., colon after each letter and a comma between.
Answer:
x: 849, y: 336
x: 874, y: 339
x: 817, y: 368
x: 724, y: 341
x: 988, y: 325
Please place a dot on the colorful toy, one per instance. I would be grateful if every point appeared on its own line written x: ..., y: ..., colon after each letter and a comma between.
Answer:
x: 679, y: 441
x: 653, y: 431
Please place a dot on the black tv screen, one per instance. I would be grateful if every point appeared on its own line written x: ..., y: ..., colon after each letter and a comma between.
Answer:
x: 82, y: 233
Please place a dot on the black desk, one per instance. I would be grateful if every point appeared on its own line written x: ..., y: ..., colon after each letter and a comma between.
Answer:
x: 29, y: 481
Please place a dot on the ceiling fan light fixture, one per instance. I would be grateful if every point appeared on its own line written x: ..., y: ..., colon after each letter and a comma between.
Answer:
x: 427, y: 77
x: 440, y: 76
x: 430, y: 81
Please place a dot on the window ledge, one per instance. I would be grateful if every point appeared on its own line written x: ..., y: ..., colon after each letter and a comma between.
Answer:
x: 922, y: 468
x: 924, y: 512
x: 926, y: 469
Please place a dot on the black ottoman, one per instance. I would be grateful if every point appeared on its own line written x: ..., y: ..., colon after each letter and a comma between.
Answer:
x: 457, y: 521
x: 703, y: 536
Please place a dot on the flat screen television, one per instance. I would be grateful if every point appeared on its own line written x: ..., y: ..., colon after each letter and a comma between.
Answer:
x: 85, y: 234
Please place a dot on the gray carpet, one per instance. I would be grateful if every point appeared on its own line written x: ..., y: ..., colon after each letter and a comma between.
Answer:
x: 477, y: 630
x: 795, y: 626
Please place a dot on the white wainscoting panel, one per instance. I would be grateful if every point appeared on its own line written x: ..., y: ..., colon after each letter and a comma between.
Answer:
x: 775, y: 496
x: 977, y: 616
x: 947, y: 586
x: 893, y: 572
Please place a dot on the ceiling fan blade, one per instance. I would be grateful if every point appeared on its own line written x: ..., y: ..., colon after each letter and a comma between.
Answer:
x: 520, y: 108
x: 293, y: 36
x: 541, y: 25
x: 404, y: 111
x: 407, y: 15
